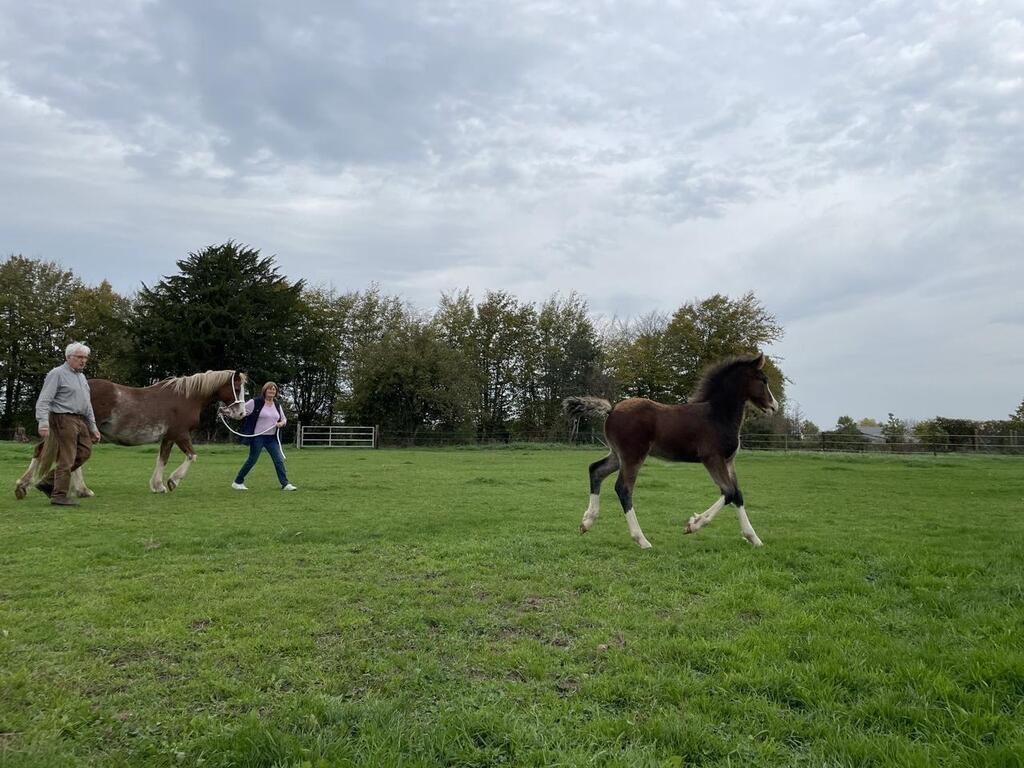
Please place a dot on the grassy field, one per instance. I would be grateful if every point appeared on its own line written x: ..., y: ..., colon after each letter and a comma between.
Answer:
x: 426, y: 608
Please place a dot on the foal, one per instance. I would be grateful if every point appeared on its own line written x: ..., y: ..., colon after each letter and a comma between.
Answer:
x: 705, y: 430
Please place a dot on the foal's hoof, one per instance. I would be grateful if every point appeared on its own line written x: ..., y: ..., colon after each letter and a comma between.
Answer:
x: 583, y: 529
x: 754, y: 541
x: 20, y: 492
x: 86, y: 494
x: 171, y: 485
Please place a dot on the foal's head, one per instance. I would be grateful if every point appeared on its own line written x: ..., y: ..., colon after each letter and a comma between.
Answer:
x: 737, y: 381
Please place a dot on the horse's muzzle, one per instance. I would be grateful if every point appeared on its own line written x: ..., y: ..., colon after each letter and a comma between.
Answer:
x: 234, y: 411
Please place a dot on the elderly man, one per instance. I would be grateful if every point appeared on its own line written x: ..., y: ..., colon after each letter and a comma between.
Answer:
x: 64, y: 412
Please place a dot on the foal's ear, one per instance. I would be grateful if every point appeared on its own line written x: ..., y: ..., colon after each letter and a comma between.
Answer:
x: 760, y: 361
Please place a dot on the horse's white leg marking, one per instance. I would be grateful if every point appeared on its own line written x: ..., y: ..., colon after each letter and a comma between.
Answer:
x: 78, y: 486
x: 156, y: 482
x: 180, y: 472
x: 697, y: 522
x: 634, y: 530
x: 21, y: 488
x: 593, y: 510
x: 746, y: 528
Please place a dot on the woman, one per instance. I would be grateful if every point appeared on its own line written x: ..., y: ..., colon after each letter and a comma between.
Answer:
x: 263, y: 418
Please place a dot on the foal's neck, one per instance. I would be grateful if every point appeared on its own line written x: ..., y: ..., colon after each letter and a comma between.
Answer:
x: 730, y: 413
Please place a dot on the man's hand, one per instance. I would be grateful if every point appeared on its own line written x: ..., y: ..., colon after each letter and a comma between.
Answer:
x: 95, y: 437
x: 43, y: 432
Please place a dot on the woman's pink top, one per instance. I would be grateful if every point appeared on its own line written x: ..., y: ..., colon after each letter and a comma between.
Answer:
x: 267, y: 420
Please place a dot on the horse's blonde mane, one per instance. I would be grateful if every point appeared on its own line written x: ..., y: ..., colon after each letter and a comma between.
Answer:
x: 199, y: 384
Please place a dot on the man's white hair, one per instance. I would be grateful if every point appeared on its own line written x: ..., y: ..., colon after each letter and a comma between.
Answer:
x: 76, y: 347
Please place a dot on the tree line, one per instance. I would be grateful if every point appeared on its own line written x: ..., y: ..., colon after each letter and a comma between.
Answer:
x: 491, y: 367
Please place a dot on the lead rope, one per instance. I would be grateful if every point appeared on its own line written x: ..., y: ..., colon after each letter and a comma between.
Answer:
x: 240, y: 400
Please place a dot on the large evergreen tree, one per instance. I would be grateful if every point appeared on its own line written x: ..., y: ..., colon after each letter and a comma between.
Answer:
x: 226, y: 308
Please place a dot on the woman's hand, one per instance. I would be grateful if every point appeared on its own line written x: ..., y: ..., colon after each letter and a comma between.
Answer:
x: 280, y: 423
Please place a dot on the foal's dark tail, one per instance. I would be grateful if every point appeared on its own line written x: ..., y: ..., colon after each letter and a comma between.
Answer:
x: 577, y: 407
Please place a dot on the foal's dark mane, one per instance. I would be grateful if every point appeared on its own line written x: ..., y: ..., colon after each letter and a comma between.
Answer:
x: 715, y: 383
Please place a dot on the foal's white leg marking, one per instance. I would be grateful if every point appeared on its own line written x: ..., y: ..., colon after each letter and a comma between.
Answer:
x: 78, y: 486
x: 180, y: 472
x: 21, y: 488
x: 634, y: 530
x: 156, y: 482
x: 746, y: 528
x: 593, y: 510
x: 697, y: 522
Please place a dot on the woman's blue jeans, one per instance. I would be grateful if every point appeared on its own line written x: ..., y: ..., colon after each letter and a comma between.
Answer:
x: 258, y: 444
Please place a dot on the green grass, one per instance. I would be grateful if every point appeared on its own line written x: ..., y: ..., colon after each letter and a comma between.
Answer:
x: 425, y: 608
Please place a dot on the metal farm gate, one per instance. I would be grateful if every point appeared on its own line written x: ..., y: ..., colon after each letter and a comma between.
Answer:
x: 336, y: 437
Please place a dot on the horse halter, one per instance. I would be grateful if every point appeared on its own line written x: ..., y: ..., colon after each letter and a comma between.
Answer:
x: 240, y: 392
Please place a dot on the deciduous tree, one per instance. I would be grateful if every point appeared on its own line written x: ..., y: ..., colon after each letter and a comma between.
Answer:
x: 36, y: 314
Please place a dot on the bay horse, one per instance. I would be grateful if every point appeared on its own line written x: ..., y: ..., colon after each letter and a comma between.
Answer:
x: 165, y: 413
x: 706, y: 429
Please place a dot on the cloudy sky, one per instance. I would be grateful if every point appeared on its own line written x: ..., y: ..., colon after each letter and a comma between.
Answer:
x: 859, y: 165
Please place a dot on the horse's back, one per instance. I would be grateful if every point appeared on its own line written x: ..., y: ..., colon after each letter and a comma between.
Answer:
x: 133, y: 415
x: 632, y: 425
x: 639, y: 427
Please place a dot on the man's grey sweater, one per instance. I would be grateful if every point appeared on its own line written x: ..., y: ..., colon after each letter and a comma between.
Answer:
x: 65, y: 391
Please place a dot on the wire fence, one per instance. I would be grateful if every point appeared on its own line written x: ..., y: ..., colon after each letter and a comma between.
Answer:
x: 1011, y: 444
x: 1001, y: 444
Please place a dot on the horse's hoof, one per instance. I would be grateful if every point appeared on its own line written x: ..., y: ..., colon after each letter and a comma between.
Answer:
x: 689, y: 529
x: 171, y: 485
x: 86, y: 494
x: 20, y: 492
x: 754, y: 541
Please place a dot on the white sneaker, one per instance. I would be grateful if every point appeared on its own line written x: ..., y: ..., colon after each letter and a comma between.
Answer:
x: 239, y: 486
x: 289, y: 487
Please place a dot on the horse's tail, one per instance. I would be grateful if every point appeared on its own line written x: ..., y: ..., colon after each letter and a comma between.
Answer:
x: 47, y: 454
x: 578, y: 407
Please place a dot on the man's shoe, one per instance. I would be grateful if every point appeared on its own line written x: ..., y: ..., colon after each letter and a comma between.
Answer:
x: 289, y: 487
x: 239, y: 486
x: 63, y: 501
x: 45, y: 487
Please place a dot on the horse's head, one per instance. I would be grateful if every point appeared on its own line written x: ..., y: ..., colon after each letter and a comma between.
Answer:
x: 232, y: 396
x: 756, y: 386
